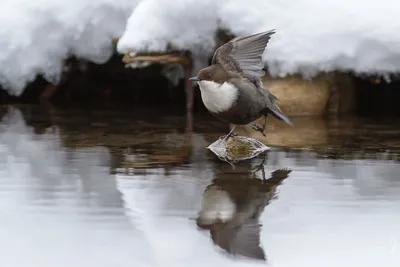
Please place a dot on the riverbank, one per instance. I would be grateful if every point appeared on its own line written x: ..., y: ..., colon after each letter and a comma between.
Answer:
x: 112, y: 85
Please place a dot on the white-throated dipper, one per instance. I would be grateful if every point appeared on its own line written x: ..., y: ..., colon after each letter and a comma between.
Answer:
x: 231, y: 87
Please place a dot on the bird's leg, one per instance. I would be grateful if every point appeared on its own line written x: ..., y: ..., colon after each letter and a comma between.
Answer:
x: 259, y: 128
x: 230, y: 134
x: 260, y: 167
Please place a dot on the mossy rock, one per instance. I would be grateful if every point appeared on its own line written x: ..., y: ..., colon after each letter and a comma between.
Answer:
x: 237, y: 148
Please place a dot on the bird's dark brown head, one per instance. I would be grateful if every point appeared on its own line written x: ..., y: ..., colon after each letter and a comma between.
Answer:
x: 213, y: 73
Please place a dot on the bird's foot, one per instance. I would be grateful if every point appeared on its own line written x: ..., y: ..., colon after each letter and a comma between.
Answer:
x: 232, y: 134
x: 259, y: 128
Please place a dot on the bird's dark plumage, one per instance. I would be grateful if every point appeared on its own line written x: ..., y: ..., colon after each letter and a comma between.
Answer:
x: 243, y: 54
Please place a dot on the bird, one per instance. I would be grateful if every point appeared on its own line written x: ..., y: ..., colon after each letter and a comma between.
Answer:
x: 231, y: 208
x: 231, y: 87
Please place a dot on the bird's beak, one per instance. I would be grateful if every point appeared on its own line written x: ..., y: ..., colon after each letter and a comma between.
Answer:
x: 195, y: 79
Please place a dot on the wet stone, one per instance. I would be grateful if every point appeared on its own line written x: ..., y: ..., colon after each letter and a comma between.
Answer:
x: 237, y: 148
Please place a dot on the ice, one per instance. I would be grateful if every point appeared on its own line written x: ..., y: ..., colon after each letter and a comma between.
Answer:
x: 311, y: 36
x: 36, y: 36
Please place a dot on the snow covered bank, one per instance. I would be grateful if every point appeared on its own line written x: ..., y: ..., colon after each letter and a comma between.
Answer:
x: 311, y: 36
x: 186, y: 24
x: 37, y: 35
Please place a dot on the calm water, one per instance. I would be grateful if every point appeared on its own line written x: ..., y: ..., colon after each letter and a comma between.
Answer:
x: 113, y: 189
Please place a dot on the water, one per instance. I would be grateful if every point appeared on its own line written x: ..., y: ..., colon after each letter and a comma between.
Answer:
x: 116, y: 189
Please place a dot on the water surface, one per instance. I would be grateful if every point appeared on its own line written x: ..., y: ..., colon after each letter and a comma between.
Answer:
x: 118, y: 189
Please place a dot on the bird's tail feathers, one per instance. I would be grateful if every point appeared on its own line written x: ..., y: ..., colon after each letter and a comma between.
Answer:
x: 277, y: 113
x: 274, y: 99
x: 275, y: 110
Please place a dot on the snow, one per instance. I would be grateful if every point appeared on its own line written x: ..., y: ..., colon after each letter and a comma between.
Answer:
x: 311, y: 35
x: 187, y: 24
x: 38, y: 35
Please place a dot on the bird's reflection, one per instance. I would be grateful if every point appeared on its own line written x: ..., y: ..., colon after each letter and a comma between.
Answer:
x: 231, y: 207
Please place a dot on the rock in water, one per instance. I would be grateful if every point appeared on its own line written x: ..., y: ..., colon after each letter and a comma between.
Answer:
x: 237, y: 148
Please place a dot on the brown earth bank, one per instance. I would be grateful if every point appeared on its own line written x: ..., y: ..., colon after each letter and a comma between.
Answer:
x: 327, y: 94
x: 112, y: 85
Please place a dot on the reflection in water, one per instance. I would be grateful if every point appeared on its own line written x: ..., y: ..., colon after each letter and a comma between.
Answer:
x: 60, y: 204
x: 231, y: 208
x: 40, y: 162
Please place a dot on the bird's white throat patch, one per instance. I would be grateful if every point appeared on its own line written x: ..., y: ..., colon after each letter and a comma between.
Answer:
x: 218, y: 97
x: 216, y: 205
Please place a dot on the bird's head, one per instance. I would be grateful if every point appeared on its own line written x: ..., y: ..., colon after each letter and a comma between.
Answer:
x: 214, y: 73
x: 205, y: 74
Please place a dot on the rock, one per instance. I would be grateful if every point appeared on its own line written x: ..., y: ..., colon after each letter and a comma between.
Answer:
x: 237, y: 148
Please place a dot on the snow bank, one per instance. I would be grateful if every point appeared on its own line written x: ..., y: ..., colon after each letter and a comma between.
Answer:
x: 311, y: 35
x: 186, y: 24
x: 37, y: 35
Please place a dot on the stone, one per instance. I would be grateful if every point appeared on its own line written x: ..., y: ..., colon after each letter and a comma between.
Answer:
x: 237, y: 148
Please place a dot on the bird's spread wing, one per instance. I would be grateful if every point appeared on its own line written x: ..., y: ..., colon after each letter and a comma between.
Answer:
x: 243, y: 240
x: 244, y: 54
